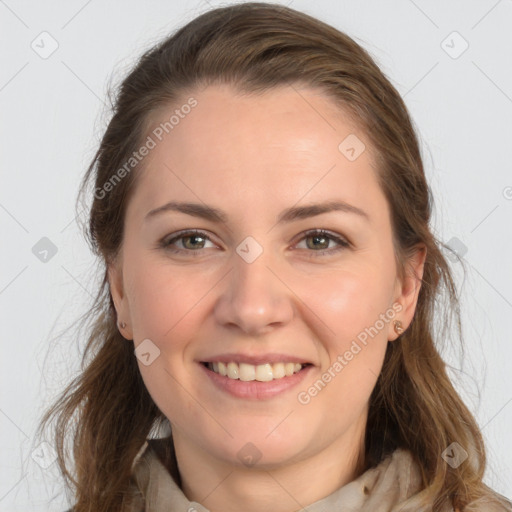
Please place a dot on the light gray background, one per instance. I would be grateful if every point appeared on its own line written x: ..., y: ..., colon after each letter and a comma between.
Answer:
x: 52, y: 115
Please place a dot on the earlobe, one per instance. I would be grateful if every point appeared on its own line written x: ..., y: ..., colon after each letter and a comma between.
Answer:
x: 408, y: 290
x: 115, y: 280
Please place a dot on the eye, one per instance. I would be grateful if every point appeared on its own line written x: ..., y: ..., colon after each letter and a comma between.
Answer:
x: 193, y: 241
x: 320, y: 240
x: 193, y: 235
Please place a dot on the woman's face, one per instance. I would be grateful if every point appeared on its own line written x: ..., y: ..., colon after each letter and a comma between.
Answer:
x: 260, y: 288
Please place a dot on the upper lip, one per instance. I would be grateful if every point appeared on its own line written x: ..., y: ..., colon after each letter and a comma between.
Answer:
x: 255, y: 359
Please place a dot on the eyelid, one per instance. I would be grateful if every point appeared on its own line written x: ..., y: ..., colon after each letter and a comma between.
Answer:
x: 342, y: 241
x: 167, y: 240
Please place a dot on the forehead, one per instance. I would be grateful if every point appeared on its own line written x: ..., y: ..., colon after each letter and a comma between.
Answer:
x: 285, y: 145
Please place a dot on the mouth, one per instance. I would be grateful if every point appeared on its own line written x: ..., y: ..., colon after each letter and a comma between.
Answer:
x: 249, y: 372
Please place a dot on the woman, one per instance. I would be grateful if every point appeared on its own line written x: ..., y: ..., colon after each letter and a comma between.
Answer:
x: 262, y: 213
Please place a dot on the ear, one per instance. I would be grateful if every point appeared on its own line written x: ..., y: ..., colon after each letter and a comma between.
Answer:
x: 407, y: 291
x: 115, y: 280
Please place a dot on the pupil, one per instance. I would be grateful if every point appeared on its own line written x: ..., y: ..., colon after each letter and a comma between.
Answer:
x: 191, y: 237
x: 317, y: 238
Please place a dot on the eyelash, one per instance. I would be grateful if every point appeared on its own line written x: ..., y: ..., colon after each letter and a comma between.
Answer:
x: 343, y: 244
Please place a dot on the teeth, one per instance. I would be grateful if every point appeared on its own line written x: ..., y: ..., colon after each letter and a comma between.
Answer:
x: 246, y: 372
x: 261, y: 372
x: 233, y: 371
x: 222, y: 369
x: 278, y: 370
x: 264, y: 372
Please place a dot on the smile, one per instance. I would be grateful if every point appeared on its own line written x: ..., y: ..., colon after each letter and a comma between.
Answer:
x: 249, y: 372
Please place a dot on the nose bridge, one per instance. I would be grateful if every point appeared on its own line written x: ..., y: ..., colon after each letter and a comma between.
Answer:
x: 253, y: 296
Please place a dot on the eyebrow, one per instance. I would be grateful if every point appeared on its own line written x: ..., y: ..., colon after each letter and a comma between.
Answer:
x: 286, y: 216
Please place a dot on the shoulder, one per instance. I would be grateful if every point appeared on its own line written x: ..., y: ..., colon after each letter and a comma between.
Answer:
x: 494, y: 502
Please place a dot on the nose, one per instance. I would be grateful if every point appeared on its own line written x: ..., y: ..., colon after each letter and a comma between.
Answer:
x: 254, y: 297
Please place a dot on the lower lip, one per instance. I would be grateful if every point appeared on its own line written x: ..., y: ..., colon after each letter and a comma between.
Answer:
x: 256, y: 390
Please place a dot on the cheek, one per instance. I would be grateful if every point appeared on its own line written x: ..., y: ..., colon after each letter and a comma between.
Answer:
x: 164, y: 303
x: 161, y: 299
x: 348, y: 303
x: 352, y: 315
x: 353, y: 341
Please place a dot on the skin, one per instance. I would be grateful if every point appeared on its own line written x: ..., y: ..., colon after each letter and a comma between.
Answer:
x: 252, y: 157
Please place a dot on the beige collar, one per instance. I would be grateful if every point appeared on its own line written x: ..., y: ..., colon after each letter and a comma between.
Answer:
x: 394, y: 484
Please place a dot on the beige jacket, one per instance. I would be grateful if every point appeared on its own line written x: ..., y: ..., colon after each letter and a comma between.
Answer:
x: 391, y: 486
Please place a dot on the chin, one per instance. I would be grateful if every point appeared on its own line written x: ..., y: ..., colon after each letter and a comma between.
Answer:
x: 258, y: 451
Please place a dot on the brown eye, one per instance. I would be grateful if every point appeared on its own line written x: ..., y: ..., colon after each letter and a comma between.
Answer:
x: 317, y: 242
x: 320, y: 240
x: 191, y: 241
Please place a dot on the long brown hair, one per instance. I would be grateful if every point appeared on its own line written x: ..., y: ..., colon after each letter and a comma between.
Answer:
x: 106, y: 413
